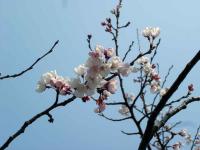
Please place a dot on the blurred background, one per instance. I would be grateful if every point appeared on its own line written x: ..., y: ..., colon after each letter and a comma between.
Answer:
x: 29, y: 28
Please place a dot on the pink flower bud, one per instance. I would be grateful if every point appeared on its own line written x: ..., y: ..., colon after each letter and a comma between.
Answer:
x: 190, y: 88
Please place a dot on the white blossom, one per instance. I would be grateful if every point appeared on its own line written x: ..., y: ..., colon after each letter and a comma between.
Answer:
x: 54, y: 81
x: 80, y: 70
x: 146, y: 32
x: 151, y: 32
x: 104, y: 69
x: 112, y: 86
x: 155, y: 32
x: 40, y: 87
x: 109, y: 52
x: 124, y: 110
x: 147, y: 68
x: 116, y: 62
x: 106, y: 93
x: 125, y: 69
x: 155, y: 87
x: 177, y: 146
x: 163, y: 91
x: 142, y: 60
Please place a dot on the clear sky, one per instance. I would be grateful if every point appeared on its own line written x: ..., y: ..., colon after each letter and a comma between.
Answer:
x: 29, y: 28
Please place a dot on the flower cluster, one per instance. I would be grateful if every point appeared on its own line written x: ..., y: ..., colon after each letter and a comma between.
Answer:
x: 154, y: 78
x: 107, y: 24
x: 184, y: 133
x: 177, y: 146
x: 124, y: 110
x: 90, y: 77
x: 51, y: 79
x: 151, y: 32
x: 187, y: 137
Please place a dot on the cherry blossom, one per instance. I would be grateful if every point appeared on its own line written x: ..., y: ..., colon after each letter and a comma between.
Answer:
x: 80, y: 70
x: 56, y: 82
x: 151, y: 32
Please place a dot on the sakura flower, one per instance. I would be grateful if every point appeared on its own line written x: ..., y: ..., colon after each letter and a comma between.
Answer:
x: 91, y: 62
x: 116, y: 62
x: 101, y: 106
x: 155, y: 76
x: 41, y: 86
x: 93, y: 81
x: 163, y: 91
x: 142, y: 60
x: 124, y: 110
x: 80, y: 89
x: 146, y: 32
x: 155, y: 32
x: 47, y: 77
x: 109, y: 53
x: 125, y: 69
x: 54, y: 81
x: 104, y: 69
x: 85, y: 98
x: 130, y: 98
x: 155, y: 87
x: 183, y: 133
x: 106, y: 93
x: 97, y: 53
x: 112, y: 86
x: 151, y: 32
x: 80, y: 70
x: 197, y: 141
x: 65, y: 89
x: 177, y: 146
x: 197, y: 148
x: 147, y: 68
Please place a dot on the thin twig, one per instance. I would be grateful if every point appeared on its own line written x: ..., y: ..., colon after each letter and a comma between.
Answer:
x: 33, y: 119
x: 151, y: 48
x: 165, y: 79
x: 129, y: 49
x: 134, y: 133
x: 196, y: 135
x: 115, y: 120
x: 30, y: 67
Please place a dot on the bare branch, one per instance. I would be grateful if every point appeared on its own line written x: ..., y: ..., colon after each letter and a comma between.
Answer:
x: 116, y: 103
x: 149, y: 132
x: 33, y: 119
x: 115, y: 120
x: 129, y: 49
x: 134, y: 133
x: 196, y: 135
x: 89, y: 37
x: 30, y: 67
x: 151, y: 48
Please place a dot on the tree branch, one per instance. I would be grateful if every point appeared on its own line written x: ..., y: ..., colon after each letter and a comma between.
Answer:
x: 149, y: 132
x: 30, y: 67
x: 115, y: 120
x: 33, y: 119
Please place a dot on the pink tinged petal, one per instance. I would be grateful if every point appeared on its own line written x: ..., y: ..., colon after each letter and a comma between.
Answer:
x: 40, y: 87
x: 65, y: 90
x: 58, y: 84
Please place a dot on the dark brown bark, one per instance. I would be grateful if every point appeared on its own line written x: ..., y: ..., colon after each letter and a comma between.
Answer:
x: 150, y: 128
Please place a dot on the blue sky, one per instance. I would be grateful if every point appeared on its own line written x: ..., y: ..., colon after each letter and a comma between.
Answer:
x: 29, y: 28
